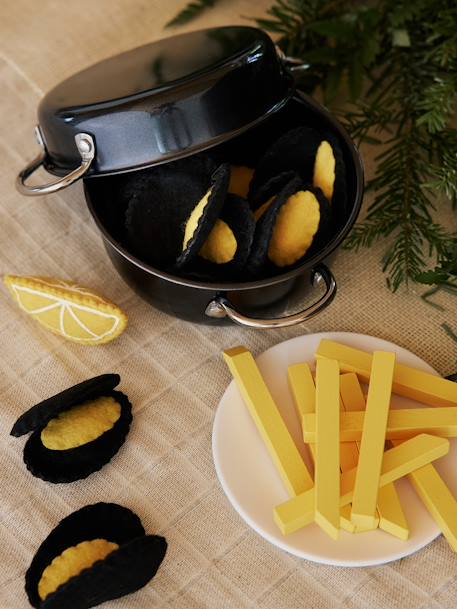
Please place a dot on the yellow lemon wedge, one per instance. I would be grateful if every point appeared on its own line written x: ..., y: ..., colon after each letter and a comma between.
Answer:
x: 74, y: 312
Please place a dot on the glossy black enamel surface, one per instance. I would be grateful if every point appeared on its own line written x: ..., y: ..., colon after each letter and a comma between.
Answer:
x: 164, y: 100
x: 188, y: 298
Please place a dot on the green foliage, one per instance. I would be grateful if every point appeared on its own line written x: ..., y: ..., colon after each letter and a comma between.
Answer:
x: 392, y: 67
x: 191, y: 11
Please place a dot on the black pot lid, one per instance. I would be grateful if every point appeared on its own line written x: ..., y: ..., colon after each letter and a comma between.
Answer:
x: 40, y: 414
x: 164, y: 100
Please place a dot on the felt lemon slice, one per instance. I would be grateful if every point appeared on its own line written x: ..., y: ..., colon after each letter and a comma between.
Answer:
x: 72, y: 311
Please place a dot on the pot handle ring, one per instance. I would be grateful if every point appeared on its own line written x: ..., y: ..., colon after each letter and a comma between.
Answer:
x: 86, y: 148
x: 221, y: 307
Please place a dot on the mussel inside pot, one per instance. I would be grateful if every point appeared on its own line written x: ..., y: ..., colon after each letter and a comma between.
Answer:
x: 204, y: 217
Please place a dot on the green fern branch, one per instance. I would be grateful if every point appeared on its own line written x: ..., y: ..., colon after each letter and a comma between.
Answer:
x: 396, y: 61
x: 191, y: 11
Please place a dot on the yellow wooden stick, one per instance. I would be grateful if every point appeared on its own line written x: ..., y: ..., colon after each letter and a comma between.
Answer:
x: 402, y: 424
x: 327, y: 466
x: 373, y: 439
x: 437, y: 498
x: 301, y: 383
x: 390, y: 512
x: 399, y: 461
x: 268, y: 420
x: 421, y: 386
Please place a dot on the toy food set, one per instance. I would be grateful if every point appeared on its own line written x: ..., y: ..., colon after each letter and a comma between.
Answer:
x: 359, y: 445
x: 77, y: 431
x: 218, y: 187
x: 71, y: 311
x: 98, y: 553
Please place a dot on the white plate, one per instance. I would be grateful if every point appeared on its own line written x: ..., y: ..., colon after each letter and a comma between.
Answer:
x: 254, y: 487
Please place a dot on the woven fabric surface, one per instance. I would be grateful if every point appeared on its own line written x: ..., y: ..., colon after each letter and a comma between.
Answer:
x: 171, y: 370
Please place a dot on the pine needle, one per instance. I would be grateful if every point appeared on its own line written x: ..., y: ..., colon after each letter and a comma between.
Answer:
x: 191, y: 11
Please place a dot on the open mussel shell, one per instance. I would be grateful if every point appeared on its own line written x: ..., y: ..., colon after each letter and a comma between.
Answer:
x: 294, y: 151
x: 63, y: 466
x: 123, y: 571
x: 203, y: 216
x: 68, y: 465
x: 224, y: 254
x: 42, y: 413
x: 159, y: 201
x: 308, y: 229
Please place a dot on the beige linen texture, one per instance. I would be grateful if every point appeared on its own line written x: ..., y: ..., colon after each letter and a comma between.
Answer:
x: 172, y: 370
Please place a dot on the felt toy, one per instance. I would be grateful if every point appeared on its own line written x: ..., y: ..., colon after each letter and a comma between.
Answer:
x: 74, y: 312
x: 225, y: 252
x: 295, y: 151
x: 240, y: 178
x: 77, y: 431
x: 96, y: 554
x: 290, y: 225
x: 315, y: 157
x: 172, y: 209
x: 329, y: 173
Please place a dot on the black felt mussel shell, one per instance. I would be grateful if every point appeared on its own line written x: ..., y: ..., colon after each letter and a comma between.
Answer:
x: 122, y: 572
x: 259, y: 263
x: 161, y: 199
x: 62, y: 466
x: 271, y: 188
x: 238, y: 216
x: 218, y: 192
x: 294, y: 151
x: 40, y: 414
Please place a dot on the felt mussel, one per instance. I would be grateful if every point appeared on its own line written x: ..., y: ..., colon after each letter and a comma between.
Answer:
x: 329, y: 172
x: 203, y: 216
x: 172, y: 208
x: 315, y: 157
x: 77, y: 431
x: 292, y: 224
x: 295, y: 151
x: 224, y: 254
x: 265, y: 195
x: 96, y: 554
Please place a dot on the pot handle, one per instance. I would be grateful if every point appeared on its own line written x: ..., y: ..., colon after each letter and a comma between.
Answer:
x: 86, y: 148
x: 222, y: 307
x: 293, y: 64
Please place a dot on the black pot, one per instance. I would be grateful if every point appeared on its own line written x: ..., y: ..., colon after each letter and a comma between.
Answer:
x: 261, y: 304
x: 168, y: 100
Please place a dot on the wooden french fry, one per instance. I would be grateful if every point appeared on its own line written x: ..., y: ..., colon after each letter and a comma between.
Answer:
x: 373, y: 439
x: 402, y: 424
x: 399, y: 461
x: 301, y: 383
x: 409, y: 382
x: 390, y: 512
x: 327, y: 448
x: 268, y: 420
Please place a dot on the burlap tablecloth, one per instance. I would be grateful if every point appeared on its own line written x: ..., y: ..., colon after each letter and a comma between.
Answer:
x: 171, y: 370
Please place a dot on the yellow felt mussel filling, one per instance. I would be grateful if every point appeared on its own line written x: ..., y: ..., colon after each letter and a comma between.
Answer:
x: 71, y: 562
x: 297, y: 223
x: 221, y: 245
x: 240, y: 178
x: 81, y: 424
x: 194, y: 219
x: 263, y: 208
x: 324, y: 169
